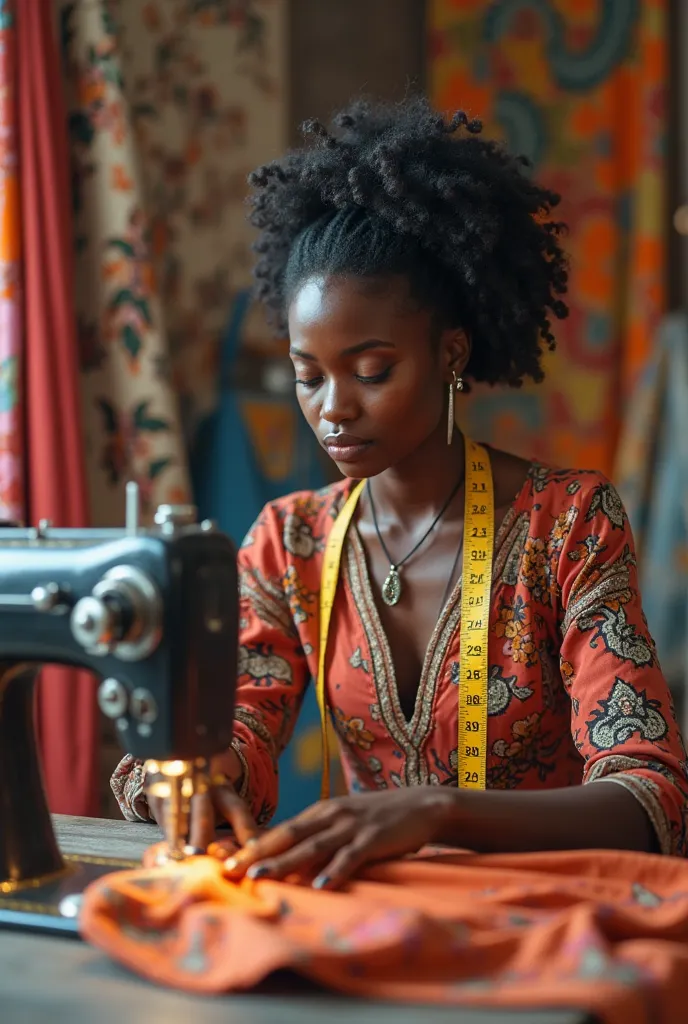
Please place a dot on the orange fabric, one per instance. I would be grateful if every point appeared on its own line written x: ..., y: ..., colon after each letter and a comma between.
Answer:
x: 603, y: 931
x: 67, y: 715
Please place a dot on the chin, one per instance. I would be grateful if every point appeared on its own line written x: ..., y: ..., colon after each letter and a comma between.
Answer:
x: 361, y: 467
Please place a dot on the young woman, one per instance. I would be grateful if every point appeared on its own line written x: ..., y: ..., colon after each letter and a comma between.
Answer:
x: 407, y: 256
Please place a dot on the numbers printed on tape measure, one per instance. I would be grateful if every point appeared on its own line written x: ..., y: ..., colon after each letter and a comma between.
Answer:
x: 475, y: 597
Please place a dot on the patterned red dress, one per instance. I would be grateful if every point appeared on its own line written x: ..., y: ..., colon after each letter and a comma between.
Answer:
x: 575, y: 692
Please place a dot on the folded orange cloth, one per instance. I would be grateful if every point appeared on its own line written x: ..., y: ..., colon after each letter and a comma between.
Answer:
x: 603, y: 931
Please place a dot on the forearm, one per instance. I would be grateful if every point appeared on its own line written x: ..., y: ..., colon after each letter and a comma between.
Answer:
x: 596, y: 816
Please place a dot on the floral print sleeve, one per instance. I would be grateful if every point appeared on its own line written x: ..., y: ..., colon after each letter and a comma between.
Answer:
x: 273, y: 670
x: 622, y: 715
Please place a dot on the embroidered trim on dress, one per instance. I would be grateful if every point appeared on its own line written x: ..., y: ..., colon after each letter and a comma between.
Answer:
x: 411, y: 736
x: 129, y: 791
x: 243, y: 790
x: 507, y: 559
x: 258, y: 728
x: 356, y: 577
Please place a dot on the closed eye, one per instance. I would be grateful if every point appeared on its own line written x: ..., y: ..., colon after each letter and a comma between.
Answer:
x: 378, y: 378
x: 314, y: 382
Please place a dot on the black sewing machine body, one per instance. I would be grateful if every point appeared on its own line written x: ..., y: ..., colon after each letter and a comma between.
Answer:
x: 153, y: 614
x: 191, y: 629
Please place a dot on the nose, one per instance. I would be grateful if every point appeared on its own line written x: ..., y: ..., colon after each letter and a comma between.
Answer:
x: 339, y: 405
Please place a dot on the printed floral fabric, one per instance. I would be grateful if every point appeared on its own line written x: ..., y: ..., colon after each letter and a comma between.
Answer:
x: 171, y: 103
x: 601, y: 931
x: 130, y: 412
x: 579, y: 88
x: 205, y: 83
x: 575, y: 691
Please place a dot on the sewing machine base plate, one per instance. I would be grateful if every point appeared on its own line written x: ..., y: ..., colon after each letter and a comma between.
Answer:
x: 37, y: 909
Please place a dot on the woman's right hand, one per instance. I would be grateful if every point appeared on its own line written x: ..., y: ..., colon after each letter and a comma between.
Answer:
x: 221, y: 803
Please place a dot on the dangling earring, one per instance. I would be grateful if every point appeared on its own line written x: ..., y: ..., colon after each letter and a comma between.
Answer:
x: 456, y: 384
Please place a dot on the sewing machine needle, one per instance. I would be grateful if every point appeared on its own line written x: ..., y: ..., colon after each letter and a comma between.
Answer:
x: 132, y: 508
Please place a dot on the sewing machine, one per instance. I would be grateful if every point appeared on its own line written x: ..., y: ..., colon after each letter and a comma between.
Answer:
x: 153, y: 614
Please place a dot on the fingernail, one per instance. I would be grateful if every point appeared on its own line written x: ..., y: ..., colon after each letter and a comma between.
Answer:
x: 258, y: 871
x: 321, y: 881
x: 231, y: 864
x: 252, y: 841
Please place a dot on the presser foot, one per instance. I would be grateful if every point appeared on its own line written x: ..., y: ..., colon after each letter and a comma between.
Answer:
x: 175, y: 783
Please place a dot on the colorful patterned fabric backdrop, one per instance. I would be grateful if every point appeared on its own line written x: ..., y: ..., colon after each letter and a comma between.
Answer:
x: 206, y: 84
x: 171, y: 102
x: 130, y: 411
x: 579, y: 87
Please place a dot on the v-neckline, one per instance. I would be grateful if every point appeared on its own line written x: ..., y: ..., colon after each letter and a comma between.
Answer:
x: 410, y: 734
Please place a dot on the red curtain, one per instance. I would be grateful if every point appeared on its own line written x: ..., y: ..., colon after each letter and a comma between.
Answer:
x: 56, y: 479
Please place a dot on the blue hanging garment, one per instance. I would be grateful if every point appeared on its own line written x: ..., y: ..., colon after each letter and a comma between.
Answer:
x: 231, y: 484
x: 232, y: 481
x: 652, y: 476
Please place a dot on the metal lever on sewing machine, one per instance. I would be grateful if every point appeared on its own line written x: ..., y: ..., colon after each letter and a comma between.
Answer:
x: 45, y: 598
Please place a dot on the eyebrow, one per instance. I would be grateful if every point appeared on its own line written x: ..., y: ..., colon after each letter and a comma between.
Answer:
x: 353, y: 350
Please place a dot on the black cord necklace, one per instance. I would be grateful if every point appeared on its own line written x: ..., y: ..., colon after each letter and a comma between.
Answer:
x: 391, y: 588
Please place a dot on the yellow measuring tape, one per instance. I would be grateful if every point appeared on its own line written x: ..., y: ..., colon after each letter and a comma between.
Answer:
x: 476, y: 582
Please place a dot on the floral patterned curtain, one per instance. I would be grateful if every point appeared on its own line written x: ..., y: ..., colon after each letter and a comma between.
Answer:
x: 206, y: 81
x: 171, y: 102
x: 131, y: 419
x: 579, y: 87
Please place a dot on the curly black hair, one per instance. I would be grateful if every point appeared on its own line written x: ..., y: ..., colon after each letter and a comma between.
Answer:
x: 398, y: 189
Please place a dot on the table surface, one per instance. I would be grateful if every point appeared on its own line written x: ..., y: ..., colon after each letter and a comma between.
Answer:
x: 63, y: 980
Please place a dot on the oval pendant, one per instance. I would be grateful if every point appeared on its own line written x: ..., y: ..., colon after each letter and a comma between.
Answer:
x: 391, y: 588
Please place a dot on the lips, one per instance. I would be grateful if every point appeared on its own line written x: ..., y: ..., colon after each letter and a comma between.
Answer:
x: 345, y: 447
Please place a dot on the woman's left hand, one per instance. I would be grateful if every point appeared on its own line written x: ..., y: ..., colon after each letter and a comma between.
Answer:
x: 334, y: 838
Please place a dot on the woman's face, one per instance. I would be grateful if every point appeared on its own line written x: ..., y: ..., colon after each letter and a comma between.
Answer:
x: 370, y: 381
